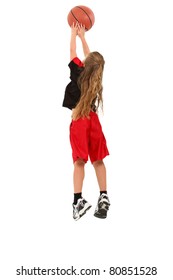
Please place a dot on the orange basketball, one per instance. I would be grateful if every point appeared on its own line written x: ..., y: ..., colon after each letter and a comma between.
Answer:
x: 83, y: 15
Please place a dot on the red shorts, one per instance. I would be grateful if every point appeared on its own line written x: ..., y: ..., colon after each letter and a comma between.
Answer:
x: 87, y: 139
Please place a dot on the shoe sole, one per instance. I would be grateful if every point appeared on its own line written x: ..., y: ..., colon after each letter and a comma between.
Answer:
x: 102, y: 213
x: 83, y: 212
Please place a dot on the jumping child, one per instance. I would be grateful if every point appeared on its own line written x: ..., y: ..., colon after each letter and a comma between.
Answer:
x: 83, y: 95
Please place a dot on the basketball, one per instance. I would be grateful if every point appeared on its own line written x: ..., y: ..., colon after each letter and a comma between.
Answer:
x: 82, y: 14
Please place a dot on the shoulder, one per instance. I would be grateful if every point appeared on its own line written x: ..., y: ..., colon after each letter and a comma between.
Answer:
x: 76, y: 62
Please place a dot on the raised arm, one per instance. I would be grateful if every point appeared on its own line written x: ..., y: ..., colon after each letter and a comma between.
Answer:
x: 74, y: 30
x: 81, y: 34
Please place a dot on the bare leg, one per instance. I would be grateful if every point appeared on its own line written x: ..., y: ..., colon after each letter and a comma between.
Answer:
x: 100, y: 170
x: 103, y: 201
x: 78, y: 175
x: 80, y: 205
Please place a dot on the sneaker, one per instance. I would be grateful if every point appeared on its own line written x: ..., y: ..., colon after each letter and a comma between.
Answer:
x: 80, y: 208
x: 102, y: 206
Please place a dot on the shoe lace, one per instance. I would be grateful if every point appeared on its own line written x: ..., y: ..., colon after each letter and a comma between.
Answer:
x: 82, y: 202
x: 104, y: 196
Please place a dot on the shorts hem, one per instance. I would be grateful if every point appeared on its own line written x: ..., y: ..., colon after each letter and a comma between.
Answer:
x: 79, y: 158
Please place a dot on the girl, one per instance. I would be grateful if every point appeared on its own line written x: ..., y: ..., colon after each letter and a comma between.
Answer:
x: 83, y: 95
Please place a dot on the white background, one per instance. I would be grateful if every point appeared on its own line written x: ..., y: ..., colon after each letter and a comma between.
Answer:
x: 37, y: 228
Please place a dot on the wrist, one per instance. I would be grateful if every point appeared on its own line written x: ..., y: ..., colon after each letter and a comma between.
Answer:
x: 73, y: 34
x: 82, y: 38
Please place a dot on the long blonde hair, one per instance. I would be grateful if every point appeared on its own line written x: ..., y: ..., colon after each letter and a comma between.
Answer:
x: 90, y: 85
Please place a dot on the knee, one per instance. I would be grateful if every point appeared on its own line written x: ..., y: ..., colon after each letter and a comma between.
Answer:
x: 98, y: 163
x: 79, y: 163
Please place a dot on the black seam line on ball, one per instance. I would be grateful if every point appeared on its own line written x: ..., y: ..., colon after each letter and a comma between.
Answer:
x: 86, y: 14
